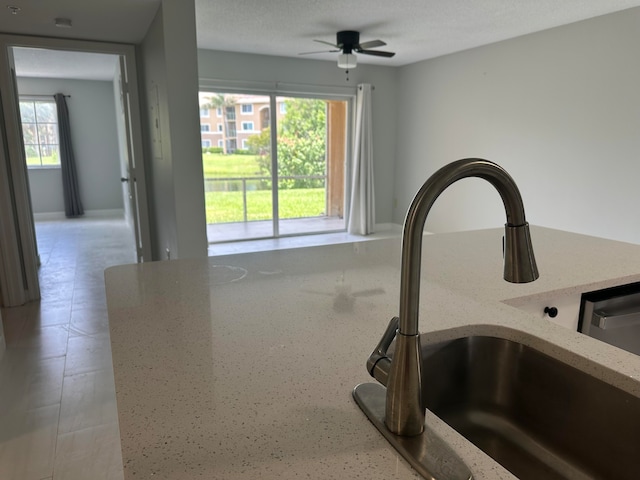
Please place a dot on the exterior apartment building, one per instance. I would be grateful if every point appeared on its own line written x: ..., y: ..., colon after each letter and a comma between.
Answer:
x: 232, y: 124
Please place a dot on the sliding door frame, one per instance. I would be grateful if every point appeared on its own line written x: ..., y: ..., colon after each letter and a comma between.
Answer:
x: 291, y: 90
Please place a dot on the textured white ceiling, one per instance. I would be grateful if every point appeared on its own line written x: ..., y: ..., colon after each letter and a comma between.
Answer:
x: 414, y: 29
x: 125, y: 21
x: 106, y: 20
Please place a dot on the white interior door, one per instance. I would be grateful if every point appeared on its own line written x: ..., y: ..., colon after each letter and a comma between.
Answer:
x: 18, y: 249
x: 135, y: 179
x: 123, y: 149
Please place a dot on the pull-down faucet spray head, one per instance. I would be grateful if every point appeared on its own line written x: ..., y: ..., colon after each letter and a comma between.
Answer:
x: 519, y: 261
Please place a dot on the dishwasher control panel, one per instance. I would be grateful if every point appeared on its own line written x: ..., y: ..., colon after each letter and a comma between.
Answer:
x: 612, y: 315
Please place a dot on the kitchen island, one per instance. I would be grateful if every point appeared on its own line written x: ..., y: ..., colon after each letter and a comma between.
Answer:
x: 242, y: 366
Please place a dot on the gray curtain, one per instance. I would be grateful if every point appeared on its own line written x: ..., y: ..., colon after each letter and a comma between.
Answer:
x: 71, y: 192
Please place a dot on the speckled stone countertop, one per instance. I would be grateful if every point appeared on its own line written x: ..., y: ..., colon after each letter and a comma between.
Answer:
x: 242, y: 366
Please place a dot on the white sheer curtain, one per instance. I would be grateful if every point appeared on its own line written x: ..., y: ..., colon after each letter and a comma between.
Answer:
x: 362, y: 215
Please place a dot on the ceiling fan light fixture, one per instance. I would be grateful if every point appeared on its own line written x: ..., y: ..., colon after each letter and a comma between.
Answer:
x: 347, y: 60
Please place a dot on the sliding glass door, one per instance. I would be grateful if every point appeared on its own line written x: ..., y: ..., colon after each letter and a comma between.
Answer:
x: 311, y: 154
x: 274, y: 166
x: 238, y: 187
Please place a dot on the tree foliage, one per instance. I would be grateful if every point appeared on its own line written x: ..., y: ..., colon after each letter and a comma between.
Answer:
x: 301, y: 144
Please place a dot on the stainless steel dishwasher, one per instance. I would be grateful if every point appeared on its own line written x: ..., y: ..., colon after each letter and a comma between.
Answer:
x: 613, y: 316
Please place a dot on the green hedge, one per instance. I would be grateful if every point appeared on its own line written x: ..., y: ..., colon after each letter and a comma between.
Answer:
x: 211, y: 150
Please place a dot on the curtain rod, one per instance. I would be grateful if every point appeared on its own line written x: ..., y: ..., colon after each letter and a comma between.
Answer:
x: 39, y: 96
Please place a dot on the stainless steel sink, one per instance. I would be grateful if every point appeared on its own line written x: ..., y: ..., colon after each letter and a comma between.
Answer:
x: 537, y: 416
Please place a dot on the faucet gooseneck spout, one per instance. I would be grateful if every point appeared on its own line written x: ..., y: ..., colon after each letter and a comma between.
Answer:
x: 404, y: 411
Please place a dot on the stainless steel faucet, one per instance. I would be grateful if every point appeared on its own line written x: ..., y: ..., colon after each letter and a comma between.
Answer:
x: 404, y: 413
x: 398, y: 413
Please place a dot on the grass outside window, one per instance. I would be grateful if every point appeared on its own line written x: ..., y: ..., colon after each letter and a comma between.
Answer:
x: 223, y: 207
x: 227, y: 206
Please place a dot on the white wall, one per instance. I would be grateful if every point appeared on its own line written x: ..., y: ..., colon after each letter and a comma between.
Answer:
x: 168, y: 57
x: 559, y: 109
x: 95, y: 144
x: 310, y: 74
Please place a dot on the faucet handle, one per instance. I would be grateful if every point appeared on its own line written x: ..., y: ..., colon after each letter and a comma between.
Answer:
x: 378, y: 363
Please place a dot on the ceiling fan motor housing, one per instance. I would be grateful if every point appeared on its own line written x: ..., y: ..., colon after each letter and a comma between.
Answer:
x: 348, y: 40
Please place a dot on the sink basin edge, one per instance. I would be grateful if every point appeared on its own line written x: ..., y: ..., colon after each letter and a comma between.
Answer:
x: 591, y: 356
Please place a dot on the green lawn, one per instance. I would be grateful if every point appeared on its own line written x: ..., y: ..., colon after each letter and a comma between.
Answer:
x: 223, y: 207
x: 218, y: 165
x: 227, y: 206
x: 46, y: 161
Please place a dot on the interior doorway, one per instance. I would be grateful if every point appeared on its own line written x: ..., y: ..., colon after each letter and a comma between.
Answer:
x: 274, y: 165
x: 100, y: 83
x: 91, y: 83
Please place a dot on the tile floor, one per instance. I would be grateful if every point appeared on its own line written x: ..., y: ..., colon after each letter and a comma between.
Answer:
x: 58, y: 417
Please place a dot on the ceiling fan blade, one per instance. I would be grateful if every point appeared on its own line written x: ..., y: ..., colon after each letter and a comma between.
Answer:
x: 321, y: 51
x: 377, y: 53
x: 327, y: 43
x: 371, y: 44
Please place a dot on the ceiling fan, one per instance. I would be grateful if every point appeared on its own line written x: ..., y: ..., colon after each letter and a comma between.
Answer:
x: 348, y: 42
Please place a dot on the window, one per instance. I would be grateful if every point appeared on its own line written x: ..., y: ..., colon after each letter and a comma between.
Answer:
x: 221, y: 143
x: 40, y: 132
x: 283, y: 108
x: 204, y: 112
x: 247, y: 109
x: 205, y: 127
x: 220, y: 127
x: 247, y: 126
x: 219, y: 112
x: 245, y: 144
x: 206, y: 143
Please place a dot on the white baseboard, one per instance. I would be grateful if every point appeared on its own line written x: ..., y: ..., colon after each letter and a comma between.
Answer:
x: 49, y: 216
x: 46, y: 216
